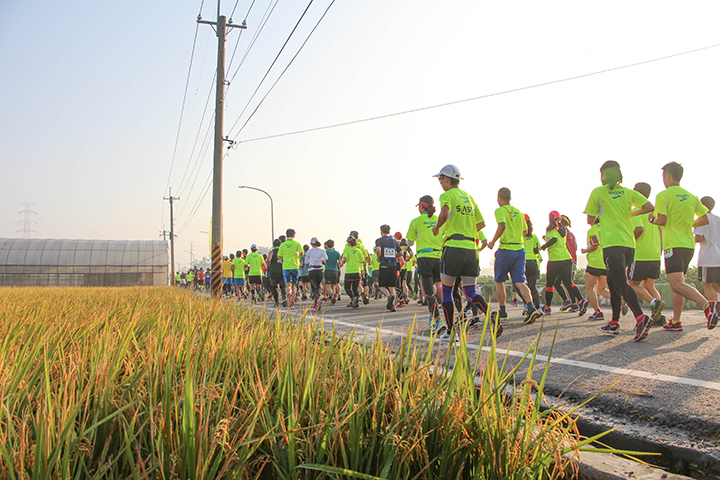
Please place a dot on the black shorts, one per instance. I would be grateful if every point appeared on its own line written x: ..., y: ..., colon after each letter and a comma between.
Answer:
x: 709, y: 274
x: 532, y: 270
x: 332, y: 277
x: 349, y: 277
x: 678, y: 259
x: 596, y: 272
x: 305, y: 278
x: 387, y: 276
x: 429, y: 268
x: 459, y: 262
x: 643, y: 269
x: 255, y: 279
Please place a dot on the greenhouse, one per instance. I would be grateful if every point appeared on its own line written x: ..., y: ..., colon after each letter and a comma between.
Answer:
x: 78, y: 263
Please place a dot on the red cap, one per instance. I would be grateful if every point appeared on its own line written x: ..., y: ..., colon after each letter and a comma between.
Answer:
x: 398, y: 235
x: 527, y: 217
x: 554, y: 214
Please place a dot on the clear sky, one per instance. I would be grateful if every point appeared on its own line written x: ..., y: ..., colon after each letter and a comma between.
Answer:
x: 92, y: 94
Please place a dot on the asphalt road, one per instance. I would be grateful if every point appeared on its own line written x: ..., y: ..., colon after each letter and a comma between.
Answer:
x: 666, y: 386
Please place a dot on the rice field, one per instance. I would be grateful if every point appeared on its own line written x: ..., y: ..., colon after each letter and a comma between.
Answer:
x: 160, y: 383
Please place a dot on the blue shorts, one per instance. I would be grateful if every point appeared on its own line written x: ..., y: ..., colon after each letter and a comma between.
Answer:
x: 228, y: 280
x: 291, y: 276
x: 512, y: 262
x: 239, y: 281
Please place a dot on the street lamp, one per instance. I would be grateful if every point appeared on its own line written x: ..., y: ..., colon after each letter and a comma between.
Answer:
x: 272, y: 222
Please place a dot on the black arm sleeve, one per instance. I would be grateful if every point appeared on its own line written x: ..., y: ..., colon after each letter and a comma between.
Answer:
x: 552, y: 241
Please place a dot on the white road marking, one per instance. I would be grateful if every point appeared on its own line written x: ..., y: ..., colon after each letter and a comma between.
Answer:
x: 562, y: 361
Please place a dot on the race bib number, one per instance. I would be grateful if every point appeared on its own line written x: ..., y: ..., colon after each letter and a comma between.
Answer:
x: 388, y: 252
x: 668, y: 253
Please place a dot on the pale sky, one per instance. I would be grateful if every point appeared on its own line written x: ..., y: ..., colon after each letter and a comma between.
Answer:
x: 92, y: 94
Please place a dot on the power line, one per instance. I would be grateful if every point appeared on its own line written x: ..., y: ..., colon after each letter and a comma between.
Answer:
x: 271, y: 66
x: 197, y: 204
x: 456, y: 102
x: 286, y: 69
x: 263, y: 22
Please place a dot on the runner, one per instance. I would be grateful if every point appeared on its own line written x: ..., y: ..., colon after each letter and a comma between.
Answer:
x: 255, y: 264
x: 275, y: 272
x: 386, y: 250
x: 462, y: 220
x: 533, y: 259
x: 646, y: 268
x: 352, y: 258
x: 315, y: 258
x: 675, y: 213
x: 613, y: 203
x: 238, y: 271
x: 208, y: 280
x: 374, y: 276
x: 560, y: 265
x: 595, y: 273
x: 304, y: 270
x: 332, y: 274
x: 227, y: 276
x: 510, y: 256
x: 571, y: 245
x: 289, y: 252
x: 708, y: 237
x: 363, y: 288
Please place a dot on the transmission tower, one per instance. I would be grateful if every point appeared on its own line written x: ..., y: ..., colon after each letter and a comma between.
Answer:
x: 26, y: 231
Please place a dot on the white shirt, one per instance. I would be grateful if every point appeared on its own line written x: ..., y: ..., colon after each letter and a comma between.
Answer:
x: 314, y: 257
x: 710, y: 247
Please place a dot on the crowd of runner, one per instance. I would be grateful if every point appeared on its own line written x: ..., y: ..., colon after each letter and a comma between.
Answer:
x: 627, y: 239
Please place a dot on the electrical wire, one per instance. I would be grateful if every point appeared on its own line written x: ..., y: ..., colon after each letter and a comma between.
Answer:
x: 286, y: 69
x: 456, y: 102
x: 271, y: 66
x: 263, y: 22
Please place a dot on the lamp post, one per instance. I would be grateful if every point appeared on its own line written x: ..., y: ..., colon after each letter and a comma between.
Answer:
x: 272, y: 222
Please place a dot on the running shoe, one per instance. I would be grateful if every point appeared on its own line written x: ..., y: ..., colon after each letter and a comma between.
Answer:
x: 503, y: 316
x: 624, y: 308
x: 597, y: 316
x: 475, y: 320
x: 610, y: 328
x: 290, y: 301
x: 546, y: 310
x: 514, y: 303
x: 438, y: 327
x: 365, y: 299
x: 355, y: 302
x: 531, y: 316
x: 421, y: 301
x: 712, y: 313
x: 573, y: 308
x: 673, y: 326
x: 656, y: 308
x: 565, y: 306
x: 450, y: 337
x: 390, y: 302
x: 401, y: 303
x: 582, y: 307
x: 304, y: 297
x: 284, y: 303
x: 662, y: 321
x: 499, y: 330
x: 642, y: 326
x: 334, y: 298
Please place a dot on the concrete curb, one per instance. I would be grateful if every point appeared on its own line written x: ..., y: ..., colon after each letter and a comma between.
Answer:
x: 605, y: 466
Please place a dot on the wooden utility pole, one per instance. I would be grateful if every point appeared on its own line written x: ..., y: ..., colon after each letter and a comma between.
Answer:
x: 217, y: 225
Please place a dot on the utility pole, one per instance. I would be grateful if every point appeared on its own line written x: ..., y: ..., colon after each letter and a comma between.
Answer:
x: 172, y: 235
x: 217, y: 226
x: 192, y: 256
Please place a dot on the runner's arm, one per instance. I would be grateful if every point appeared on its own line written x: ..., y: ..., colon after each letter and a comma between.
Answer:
x: 647, y: 208
x: 704, y: 220
x: 498, y: 233
x: 638, y: 231
x: 442, y: 218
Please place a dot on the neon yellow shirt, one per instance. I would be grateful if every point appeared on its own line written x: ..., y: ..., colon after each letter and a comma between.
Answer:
x: 411, y: 263
x: 420, y: 232
x: 239, y: 267
x: 614, y: 207
x: 531, y: 243
x: 558, y: 251
x: 355, y: 257
x: 290, y: 251
x: 375, y: 265
x: 515, y: 225
x: 463, y: 217
x: 680, y: 208
x: 595, y: 258
x: 226, y: 269
x: 647, y: 246
x: 256, y: 262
